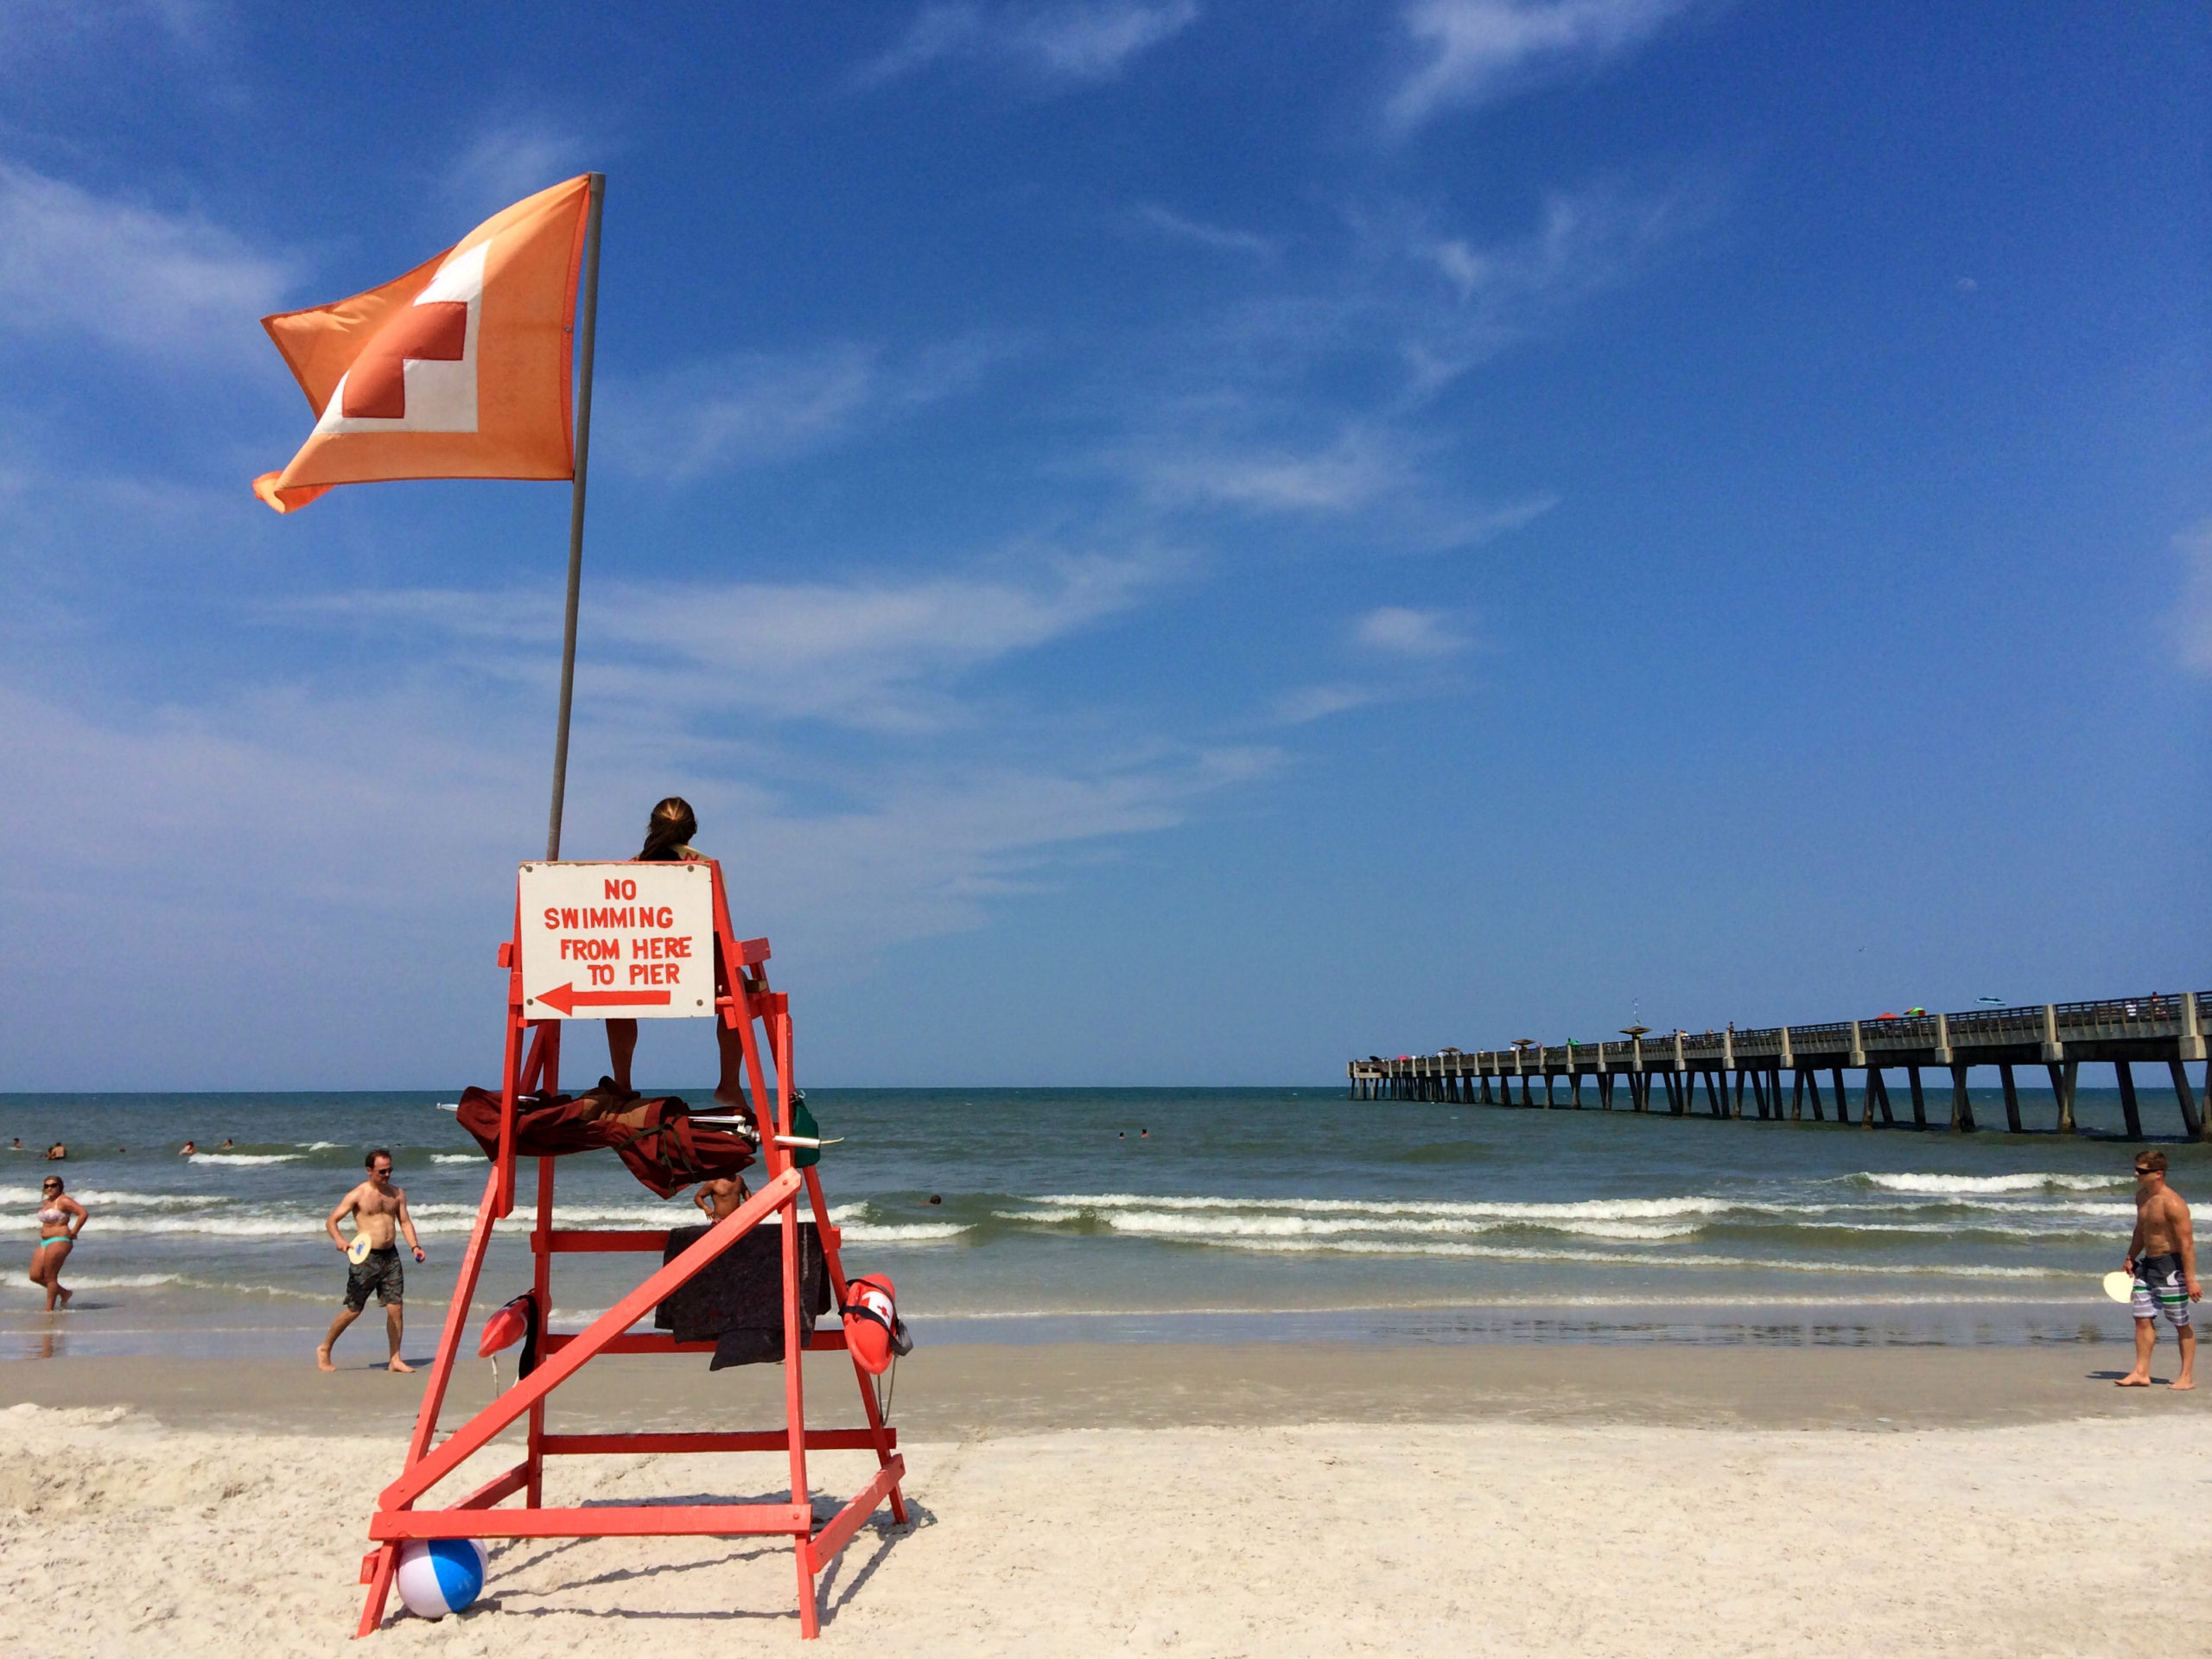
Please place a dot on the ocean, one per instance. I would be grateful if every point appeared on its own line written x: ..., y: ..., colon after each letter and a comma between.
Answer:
x: 1156, y: 1214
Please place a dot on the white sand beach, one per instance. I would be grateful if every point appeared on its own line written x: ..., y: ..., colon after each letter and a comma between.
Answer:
x: 1690, y: 1527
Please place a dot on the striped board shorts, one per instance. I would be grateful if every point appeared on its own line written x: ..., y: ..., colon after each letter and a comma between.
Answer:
x: 2160, y: 1288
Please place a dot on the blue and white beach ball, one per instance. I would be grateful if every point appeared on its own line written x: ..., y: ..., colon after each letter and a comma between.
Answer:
x: 438, y: 1576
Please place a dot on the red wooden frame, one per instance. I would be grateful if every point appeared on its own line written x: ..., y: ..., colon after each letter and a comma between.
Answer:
x: 742, y: 1000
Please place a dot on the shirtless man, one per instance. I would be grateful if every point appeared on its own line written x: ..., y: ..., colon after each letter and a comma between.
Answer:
x: 721, y: 1198
x: 2162, y: 1256
x: 379, y: 1212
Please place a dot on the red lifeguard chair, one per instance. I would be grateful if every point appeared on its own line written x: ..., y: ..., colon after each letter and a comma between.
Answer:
x: 742, y: 999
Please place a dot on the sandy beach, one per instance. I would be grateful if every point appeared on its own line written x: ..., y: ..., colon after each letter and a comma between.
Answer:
x: 1286, y: 1499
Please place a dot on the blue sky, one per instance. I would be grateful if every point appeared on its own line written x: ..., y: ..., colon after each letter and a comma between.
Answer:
x: 1168, y: 542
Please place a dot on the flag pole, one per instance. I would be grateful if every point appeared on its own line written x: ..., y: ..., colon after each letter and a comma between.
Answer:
x: 598, y: 189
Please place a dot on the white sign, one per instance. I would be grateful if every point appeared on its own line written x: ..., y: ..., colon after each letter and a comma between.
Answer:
x: 618, y: 941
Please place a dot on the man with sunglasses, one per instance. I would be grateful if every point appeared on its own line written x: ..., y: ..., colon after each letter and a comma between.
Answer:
x: 2162, y: 1256
x: 379, y: 1212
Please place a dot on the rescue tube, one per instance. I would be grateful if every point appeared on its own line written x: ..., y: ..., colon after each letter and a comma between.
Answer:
x: 515, y: 1323
x: 874, y: 1331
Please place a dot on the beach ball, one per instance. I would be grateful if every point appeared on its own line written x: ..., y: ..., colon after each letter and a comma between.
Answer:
x: 438, y: 1576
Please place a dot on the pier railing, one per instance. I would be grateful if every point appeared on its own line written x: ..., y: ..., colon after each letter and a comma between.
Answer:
x: 2161, y: 1027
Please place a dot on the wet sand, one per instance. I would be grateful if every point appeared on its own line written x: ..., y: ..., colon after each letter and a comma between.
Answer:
x: 970, y: 1390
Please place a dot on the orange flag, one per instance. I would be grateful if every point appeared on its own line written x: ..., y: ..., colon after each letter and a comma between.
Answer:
x: 459, y: 369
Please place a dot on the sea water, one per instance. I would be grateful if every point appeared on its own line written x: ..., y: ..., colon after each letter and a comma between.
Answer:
x: 1050, y: 1215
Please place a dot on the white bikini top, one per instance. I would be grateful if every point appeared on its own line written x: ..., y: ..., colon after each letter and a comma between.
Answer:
x: 49, y: 1217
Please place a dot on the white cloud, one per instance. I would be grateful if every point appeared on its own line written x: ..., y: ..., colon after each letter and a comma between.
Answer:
x: 2192, y: 618
x: 881, y: 655
x: 752, y: 408
x: 166, y: 285
x: 1062, y: 44
x: 508, y: 160
x: 1473, y: 51
x: 1219, y: 238
x: 1406, y: 632
x: 1352, y: 472
x: 1312, y: 702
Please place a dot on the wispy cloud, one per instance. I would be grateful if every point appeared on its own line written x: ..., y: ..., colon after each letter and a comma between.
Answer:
x: 507, y: 160
x: 165, y: 284
x: 1405, y: 632
x: 1221, y: 238
x: 1499, y: 292
x: 1308, y: 703
x: 1473, y: 51
x: 1351, y: 472
x: 882, y: 655
x: 1062, y: 45
x: 751, y: 407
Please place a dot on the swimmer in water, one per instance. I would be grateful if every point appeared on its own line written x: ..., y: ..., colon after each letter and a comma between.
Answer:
x: 56, y: 1153
x: 189, y: 1149
x: 60, y: 1218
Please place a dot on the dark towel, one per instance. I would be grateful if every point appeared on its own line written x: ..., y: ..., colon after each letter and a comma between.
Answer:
x: 737, y: 1301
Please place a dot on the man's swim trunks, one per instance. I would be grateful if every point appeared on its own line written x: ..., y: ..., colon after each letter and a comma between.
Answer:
x: 2160, y: 1288
x: 380, y: 1273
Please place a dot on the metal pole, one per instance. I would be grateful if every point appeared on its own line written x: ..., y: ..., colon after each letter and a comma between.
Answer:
x: 598, y: 189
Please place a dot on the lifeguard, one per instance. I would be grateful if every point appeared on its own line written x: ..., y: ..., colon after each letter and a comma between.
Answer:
x: 669, y: 830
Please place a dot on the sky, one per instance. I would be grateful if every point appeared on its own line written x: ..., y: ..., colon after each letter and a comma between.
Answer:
x: 1167, y: 541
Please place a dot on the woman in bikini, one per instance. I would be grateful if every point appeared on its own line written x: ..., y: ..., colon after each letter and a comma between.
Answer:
x: 60, y: 1218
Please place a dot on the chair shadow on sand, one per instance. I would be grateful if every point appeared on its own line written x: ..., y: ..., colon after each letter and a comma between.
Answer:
x: 834, y: 1590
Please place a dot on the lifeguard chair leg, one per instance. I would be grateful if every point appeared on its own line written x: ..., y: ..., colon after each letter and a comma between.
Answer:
x: 541, y: 1244
x: 381, y: 1566
x: 833, y: 1259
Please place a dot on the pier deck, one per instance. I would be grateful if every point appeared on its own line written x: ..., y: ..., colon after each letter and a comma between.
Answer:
x: 2165, y: 1028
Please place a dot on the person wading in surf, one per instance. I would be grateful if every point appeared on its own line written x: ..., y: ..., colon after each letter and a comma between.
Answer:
x: 2162, y: 1256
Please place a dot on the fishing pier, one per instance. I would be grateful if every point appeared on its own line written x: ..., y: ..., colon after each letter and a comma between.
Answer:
x: 1740, y: 1074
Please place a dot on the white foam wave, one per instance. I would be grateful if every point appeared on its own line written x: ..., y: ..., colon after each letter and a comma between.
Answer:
x: 912, y: 1232
x: 319, y: 1146
x: 247, y: 1158
x: 2029, y: 1182
x: 91, y: 1195
x: 1215, y: 1226
x: 1574, y: 1209
x: 457, y: 1158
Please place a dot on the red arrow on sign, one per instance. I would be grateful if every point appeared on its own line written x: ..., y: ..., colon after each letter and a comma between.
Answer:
x: 568, y: 998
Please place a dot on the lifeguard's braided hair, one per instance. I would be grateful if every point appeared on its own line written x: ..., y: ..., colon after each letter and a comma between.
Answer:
x: 670, y: 826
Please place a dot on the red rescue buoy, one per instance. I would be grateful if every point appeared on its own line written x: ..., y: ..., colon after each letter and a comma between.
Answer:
x: 873, y: 1331
x: 507, y: 1327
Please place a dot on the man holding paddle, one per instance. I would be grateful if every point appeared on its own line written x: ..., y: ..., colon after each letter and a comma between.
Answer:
x: 2162, y: 1259
x: 379, y: 1212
